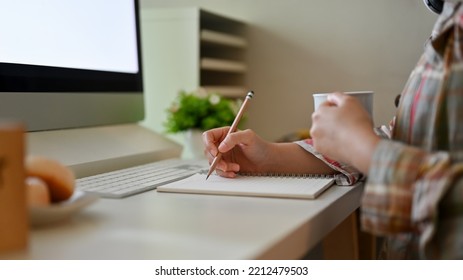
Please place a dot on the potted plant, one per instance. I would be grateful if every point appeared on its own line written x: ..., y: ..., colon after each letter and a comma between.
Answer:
x: 194, y: 112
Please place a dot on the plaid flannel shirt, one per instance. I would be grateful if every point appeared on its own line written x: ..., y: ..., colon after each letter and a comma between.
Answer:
x: 414, y: 191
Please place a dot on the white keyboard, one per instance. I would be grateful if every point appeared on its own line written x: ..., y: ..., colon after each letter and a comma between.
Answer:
x: 133, y: 180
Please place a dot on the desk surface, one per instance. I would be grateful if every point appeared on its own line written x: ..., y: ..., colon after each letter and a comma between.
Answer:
x: 156, y: 225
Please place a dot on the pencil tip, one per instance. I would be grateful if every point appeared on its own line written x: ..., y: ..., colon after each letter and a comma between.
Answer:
x: 207, y: 176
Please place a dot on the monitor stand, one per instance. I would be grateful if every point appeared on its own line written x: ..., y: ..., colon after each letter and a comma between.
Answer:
x: 94, y: 150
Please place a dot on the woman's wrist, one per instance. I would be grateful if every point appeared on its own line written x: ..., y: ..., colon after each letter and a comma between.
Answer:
x: 271, y: 162
x: 362, y: 151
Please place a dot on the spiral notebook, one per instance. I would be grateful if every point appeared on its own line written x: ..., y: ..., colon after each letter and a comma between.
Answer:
x: 304, y: 187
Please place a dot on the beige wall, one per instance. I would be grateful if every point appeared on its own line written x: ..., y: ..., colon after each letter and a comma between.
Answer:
x: 298, y: 47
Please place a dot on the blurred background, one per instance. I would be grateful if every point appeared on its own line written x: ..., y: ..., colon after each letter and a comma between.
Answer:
x: 299, y: 47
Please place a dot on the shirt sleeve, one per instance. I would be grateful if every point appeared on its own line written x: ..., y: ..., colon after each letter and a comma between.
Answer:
x: 348, y: 175
x: 404, y: 190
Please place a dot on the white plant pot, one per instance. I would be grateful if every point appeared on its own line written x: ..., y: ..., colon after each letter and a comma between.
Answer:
x: 193, y: 147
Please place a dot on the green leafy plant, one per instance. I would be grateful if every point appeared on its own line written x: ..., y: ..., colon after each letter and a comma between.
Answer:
x: 200, y: 110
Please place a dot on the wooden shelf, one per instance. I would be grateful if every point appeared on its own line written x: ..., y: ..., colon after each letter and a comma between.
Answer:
x: 215, y: 64
x: 227, y: 91
x: 219, y: 38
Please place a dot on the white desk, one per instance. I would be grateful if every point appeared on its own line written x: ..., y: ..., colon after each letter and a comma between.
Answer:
x: 185, y: 226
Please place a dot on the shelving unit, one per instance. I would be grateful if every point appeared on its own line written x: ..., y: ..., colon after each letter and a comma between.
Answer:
x: 188, y: 48
x: 222, y: 54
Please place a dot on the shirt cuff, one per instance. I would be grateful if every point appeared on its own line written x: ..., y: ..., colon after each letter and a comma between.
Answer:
x: 348, y: 175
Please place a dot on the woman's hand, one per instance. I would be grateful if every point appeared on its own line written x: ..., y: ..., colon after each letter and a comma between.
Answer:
x: 343, y: 130
x: 242, y: 151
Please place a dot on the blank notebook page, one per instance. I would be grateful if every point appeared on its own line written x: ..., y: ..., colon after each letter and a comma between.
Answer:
x: 264, y: 186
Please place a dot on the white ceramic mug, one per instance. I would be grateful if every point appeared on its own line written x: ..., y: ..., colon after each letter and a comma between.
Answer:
x: 365, y: 97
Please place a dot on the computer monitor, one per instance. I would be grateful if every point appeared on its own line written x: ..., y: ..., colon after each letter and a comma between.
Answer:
x: 71, y: 63
x: 69, y: 69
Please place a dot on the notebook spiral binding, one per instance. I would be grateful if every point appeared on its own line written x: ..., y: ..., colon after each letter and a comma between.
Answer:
x: 291, y: 175
x: 285, y: 175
